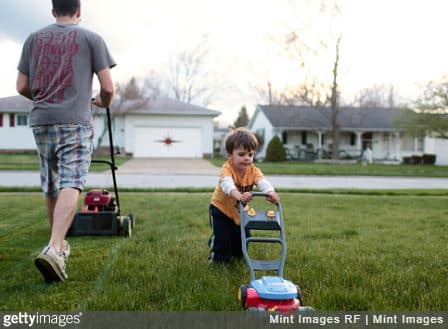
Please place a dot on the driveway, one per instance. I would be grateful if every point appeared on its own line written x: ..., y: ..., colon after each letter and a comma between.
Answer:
x: 175, y: 166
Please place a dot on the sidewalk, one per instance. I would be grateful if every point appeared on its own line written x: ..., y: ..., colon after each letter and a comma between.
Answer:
x: 163, y: 180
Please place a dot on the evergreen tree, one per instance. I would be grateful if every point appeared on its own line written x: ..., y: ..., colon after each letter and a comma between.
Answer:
x: 243, y: 119
x: 275, y: 150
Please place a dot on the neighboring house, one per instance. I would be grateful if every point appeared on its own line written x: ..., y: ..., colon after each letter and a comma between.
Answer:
x: 160, y: 128
x: 15, y: 133
x: 306, y: 133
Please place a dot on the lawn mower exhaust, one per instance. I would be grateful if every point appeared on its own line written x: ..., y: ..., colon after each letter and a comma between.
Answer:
x: 100, y: 212
x: 268, y: 293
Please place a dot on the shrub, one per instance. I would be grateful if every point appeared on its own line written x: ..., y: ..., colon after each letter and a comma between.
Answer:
x: 406, y: 160
x: 416, y: 159
x: 275, y: 150
x: 429, y: 159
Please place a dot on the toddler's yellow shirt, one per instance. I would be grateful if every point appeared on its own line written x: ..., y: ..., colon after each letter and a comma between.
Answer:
x: 226, y: 203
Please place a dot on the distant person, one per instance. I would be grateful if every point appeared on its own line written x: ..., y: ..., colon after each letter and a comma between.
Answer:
x: 237, y: 177
x: 367, y: 156
x: 56, y: 71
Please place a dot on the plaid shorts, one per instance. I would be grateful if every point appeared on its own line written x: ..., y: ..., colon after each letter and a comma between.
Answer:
x: 65, y: 152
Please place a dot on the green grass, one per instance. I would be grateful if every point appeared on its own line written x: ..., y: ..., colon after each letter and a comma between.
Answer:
x: 347, y: 252
x: 30, y: 161
x: 307, y: 168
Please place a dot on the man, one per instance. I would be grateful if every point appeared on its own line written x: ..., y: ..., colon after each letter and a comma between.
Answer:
x: 56, y: 71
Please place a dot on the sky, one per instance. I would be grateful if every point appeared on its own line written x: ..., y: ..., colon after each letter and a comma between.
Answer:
x: 398, y: 42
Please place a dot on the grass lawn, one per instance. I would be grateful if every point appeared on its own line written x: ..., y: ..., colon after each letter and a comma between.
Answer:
x: 347, y: 252
x: 307, y: 168
x: 30, y: 161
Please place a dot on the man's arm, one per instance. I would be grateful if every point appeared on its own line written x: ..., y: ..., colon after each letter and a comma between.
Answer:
x: 106, y: 88
x: 22, y: 85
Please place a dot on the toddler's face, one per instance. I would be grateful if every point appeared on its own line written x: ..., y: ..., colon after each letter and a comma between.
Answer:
x: 241, y: 158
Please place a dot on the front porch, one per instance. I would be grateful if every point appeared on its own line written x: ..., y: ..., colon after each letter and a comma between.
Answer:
x: 309, y: 145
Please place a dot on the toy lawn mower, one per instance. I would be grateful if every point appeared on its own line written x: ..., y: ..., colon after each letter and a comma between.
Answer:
x: 100, y: 213
x: 268, y: 293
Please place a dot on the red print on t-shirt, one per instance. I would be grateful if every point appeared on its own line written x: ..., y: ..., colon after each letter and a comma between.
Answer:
x: 53, y: 55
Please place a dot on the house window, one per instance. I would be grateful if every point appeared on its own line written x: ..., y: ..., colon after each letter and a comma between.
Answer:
x: 352, y: 139
x: 12, y: 121
x: 420, y: 144
x: 285, y: 137
x: 22, y: 120
x: 303, y: 137
x: 1, y: 119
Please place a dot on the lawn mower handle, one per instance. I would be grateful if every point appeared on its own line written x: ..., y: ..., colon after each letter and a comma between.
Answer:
x: 111, y: 163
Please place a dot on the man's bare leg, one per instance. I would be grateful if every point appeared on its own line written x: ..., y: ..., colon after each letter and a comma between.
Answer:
x: 51, y: 204
x: 64, y: 211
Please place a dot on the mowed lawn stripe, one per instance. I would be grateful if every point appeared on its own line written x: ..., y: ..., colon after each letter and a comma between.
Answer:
x: 347, y: 252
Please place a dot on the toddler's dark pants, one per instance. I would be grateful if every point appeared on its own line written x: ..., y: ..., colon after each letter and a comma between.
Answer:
x: 225, y: 241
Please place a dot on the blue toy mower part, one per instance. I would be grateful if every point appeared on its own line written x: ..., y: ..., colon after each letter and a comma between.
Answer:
x: 271, y: 293
x: 274, y: 287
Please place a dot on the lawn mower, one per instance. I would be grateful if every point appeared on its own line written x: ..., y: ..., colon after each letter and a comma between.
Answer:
x: 268, y: 293
x: 100, y: 212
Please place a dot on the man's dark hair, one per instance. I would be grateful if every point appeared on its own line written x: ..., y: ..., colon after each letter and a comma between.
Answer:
x: 66, y: 7
x: 241, y: 137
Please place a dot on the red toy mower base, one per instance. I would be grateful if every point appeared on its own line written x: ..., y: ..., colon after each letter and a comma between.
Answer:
x: 250, y: 300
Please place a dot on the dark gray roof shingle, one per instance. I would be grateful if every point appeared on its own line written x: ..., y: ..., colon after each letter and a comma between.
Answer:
x: 160, y: 105
x: 15, y: 104
x: 320, y: 118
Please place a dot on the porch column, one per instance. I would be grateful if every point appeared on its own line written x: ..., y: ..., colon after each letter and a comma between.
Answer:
x: 389, y: 148
x: 415, y: 144
x: 397, y: 146
x: 319, y: 144
x: 359, y: 142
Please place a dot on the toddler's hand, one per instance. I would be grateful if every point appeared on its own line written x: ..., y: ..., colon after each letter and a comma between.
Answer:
x: 273, y: 197
x: 236, y: 195
x: 246, y: 197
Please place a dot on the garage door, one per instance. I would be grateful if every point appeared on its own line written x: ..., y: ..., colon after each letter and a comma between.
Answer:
x: 157, y: 142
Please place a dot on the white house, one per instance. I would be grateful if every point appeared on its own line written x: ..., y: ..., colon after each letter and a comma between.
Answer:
x: 159, y: 128
x: 15, y: 133
x: 306, y: 133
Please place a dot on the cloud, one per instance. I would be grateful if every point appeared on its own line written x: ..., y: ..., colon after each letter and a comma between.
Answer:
x: 20, y: 17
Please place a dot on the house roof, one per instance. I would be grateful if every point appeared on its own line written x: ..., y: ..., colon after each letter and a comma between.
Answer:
x: 305, y: 117
x: 160, y: 105
x: 15, y: 104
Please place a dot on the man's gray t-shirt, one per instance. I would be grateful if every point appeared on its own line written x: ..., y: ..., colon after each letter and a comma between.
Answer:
x: 60, y: 61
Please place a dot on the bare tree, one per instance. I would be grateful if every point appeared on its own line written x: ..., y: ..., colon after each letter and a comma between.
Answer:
x: 132, y: 90
x: 335, y: 105
x: 153, y: 86
x: 187, y: 75
x: 431, y: 111
x: 313, y: 46
x: 269, y: 95
x: 378, y: 95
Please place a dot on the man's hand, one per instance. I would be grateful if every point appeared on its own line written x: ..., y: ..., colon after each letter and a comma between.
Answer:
x: 273, y: 197
x: 97, y: 101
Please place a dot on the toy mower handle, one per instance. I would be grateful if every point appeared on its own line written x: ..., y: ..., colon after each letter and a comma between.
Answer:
x: 259, y: 194
x: 254, y: 194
